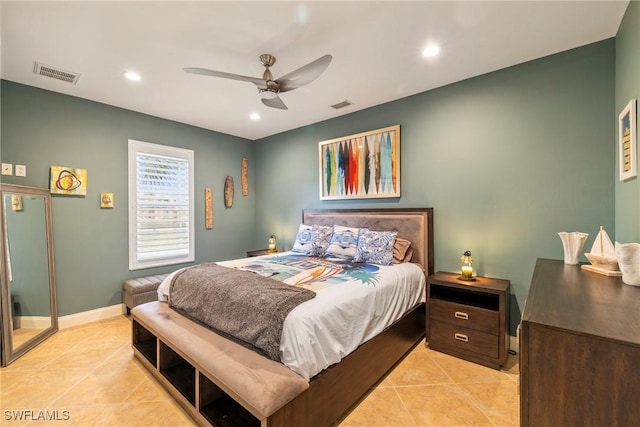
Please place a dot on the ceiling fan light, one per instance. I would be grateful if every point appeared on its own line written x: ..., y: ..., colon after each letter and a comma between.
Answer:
x: 268, y: 94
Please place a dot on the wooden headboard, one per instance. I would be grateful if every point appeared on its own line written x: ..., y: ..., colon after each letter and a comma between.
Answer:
x: 413, y: 224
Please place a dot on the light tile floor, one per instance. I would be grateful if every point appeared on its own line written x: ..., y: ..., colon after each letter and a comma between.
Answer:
x: 87, y: 376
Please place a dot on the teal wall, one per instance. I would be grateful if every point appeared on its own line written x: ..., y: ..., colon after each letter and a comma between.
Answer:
x: 42, y: 128
x: 507, y: 160
x: 627, y: 87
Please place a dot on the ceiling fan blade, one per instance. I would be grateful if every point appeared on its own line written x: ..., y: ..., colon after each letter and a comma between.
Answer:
x: 206, y: 72
x: 304, y: 75
x: 274, y: 103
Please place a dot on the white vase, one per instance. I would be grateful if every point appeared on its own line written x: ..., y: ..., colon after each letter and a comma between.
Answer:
x: 572, y: 243
x: 628, y: 256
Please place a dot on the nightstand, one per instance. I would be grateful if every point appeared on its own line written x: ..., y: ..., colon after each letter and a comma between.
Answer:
x: 259, y: 252
x: 469, y: 319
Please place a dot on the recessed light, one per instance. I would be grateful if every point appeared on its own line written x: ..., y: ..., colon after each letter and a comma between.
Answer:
x: 132, y: 75
x: 254, y: 116
x: 431, y: 51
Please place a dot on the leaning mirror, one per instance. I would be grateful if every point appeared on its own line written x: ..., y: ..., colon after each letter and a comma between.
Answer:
x: 28, y: 290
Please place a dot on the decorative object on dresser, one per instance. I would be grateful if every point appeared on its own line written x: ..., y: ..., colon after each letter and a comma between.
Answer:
x: 628, y: 256
x: 469, y: 319
x: 572, y: 243
x: 579, y: 349
x: 602, y: 256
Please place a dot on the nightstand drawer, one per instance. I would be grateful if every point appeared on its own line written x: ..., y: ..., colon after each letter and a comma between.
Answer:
x: 463, y: 315
x: 463, y: 339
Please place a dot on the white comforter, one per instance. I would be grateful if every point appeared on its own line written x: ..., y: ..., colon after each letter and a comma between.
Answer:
x: 353, y: 303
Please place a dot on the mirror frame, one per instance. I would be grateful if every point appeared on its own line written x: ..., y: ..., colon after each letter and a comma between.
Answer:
x: 10, y: 354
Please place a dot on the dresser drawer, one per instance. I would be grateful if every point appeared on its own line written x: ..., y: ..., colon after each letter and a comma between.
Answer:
x: 480, y: 319
x: 463, y: 339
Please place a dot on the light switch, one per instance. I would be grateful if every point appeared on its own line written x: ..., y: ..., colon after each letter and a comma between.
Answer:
x: 7, y: 169
x: 21, y: 170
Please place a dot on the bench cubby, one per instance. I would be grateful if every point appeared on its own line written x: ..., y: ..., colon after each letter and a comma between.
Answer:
x: 207, y: 403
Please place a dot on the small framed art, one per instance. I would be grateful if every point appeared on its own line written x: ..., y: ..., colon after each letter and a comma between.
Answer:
x: 106, y: 200
x: 627, y: 141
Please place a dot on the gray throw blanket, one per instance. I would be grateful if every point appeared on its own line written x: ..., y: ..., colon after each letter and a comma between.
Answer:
x: 244, y: 306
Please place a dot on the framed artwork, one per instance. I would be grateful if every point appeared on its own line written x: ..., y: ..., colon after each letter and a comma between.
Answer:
x: 627, y: 141
x: 361, y: 166
x: 16, y: 202
x: 106, y: 200
x: 68, y: 181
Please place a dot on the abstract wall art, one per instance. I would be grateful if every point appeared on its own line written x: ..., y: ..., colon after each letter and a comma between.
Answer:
x: 360, y: 166
x: 68, y: 181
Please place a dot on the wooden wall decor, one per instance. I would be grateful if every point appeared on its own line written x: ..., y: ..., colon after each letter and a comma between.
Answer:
x: 208, y: 209
x: 228, y: 192
x: 245, y: 182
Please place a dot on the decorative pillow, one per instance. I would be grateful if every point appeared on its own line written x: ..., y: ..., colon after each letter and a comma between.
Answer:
x: 322, y: 235
x: 401, y: 247
x: 312, y: 240
x: 304, y: 240
x: 376, y: 247
x: 344, y: 242
x: 407, y: 256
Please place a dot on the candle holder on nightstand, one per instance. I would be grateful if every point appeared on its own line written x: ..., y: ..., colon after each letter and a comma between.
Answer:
x: 466, y: 273
x: 272, y: 243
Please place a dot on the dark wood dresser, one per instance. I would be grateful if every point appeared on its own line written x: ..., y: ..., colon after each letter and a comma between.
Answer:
x: 579, y: 349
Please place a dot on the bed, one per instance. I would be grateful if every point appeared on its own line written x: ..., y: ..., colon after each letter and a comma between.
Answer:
x: 220, y: 382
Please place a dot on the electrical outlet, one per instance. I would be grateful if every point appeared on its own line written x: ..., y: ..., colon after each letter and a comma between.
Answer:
x: 7, y: 169
x: 21, y: 170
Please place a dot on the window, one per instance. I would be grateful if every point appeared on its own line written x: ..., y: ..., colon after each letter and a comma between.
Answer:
x: 160, y: 205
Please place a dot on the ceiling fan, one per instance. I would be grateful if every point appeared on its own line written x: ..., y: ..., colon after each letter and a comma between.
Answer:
x: 268, y: 88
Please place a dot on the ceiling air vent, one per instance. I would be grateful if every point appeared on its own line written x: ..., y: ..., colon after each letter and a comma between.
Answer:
x: 55, y: 73
x: 342, y: 104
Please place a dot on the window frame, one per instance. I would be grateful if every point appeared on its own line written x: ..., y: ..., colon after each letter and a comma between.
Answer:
x: 135, y: 147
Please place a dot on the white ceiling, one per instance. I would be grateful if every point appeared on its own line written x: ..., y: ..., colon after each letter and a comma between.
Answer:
x: 376, y: 48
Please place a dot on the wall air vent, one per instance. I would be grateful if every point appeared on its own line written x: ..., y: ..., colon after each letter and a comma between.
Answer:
x: 55, y: 73
x: 342, y: 104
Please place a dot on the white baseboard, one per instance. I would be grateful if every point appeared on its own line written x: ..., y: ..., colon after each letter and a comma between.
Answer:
x: 90, y: 316
x: 33, y: 322
x: 513, y: 344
